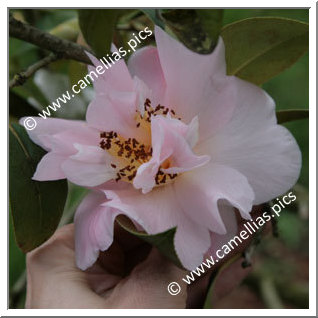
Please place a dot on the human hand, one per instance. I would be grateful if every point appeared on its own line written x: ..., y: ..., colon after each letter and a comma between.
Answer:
x: 54, y: 281
x: 123, y: 276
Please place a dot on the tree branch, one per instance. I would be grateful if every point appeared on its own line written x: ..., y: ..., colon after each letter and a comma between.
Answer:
x: 62, y: 48
x: 20, y: 78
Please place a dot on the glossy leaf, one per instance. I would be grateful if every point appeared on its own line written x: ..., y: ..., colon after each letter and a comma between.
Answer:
x: 196, y: 29
x: 163, y: 241
x: 284, y: 116
x: 36, y: 206
x: 97, y: 26
x: 257, y: 49
x: 19, y: 106
x: 154, y: 15
x: 211, y: 21
x: 16, y: 257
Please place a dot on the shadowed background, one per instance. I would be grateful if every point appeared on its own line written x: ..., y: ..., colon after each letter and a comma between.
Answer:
x: 279, y: 276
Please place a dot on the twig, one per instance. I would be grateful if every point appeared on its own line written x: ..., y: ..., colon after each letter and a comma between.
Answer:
x: 61, y: 47
x: 269, y: 293
x: 20, y: 78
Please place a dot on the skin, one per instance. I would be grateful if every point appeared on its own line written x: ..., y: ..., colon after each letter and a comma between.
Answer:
x: 130, y: 274
x: 54, y: 281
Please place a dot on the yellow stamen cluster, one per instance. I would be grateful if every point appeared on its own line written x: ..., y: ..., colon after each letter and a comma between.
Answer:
x: 130, y: 153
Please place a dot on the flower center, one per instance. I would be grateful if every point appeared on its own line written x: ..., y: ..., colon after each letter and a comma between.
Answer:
x: 129, y: 154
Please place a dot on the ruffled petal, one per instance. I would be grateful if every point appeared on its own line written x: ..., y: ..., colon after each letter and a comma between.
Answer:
x: 158, y: 211
x: 63, y: 142
x: 201, y: 191
x: 252, y: 143
x: 191, y: 242
x: 196, y: 83
x: 114, y: 112
x: 168, y: 142
x: 115, y: 78
x: 155, y: 211
x: 145, y: 65
x: 93, y: 229
x: 90, y: 166
x: 52, y: 126
x: 230, y: 221
x: 173, y: 139
x: 58, y: 137
x: 49, y: 168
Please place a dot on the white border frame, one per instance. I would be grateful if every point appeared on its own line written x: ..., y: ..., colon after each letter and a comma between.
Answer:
x: 312, y: 166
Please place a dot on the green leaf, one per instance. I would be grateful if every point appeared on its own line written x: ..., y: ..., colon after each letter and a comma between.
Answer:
x: 97, y: 26
x: 284, y: 116
x: 154, y: 15
x: 75, y: 196
x: 163, y: 241
x: 258, y: 49
x: 36, y: 206
x: 212, y: 22
x: 196, y: 29
x: 32, y: 93
x: 19, y: 106
x: 16, y: 257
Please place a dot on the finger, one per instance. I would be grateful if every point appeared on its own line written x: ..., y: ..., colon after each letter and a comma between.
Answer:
x: 53, y: 280
x: 126, y: 251
x: 146, y: 287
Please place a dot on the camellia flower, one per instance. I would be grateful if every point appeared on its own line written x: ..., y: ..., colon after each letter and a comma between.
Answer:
x: 169, y: 141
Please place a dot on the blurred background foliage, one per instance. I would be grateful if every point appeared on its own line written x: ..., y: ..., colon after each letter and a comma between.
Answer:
x: 280, y: 270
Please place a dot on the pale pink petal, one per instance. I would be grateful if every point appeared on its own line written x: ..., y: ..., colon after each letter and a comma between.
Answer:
x: 115, y: 78
x: 167, y: 142
x: 196, y: 83
x: 155, y: 211
x: 93, y: 229
x: 145, y: 177
x: 145, y: 64
x: 229, y: 219
x: 159, y: 211
x: 143, y: 93
x: 58, y: 137
x: 114, y: 112
x: 84, y: 135
x: 218, y: 103
x: 90, y: 166
x: 266, y: 153
x: 191, y: 242
x: 173, y: 143
x: 51, y: 126
x: 200, y: 192
x: 49, y: 168
x: 63, y: 142
x: 192, y: 135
